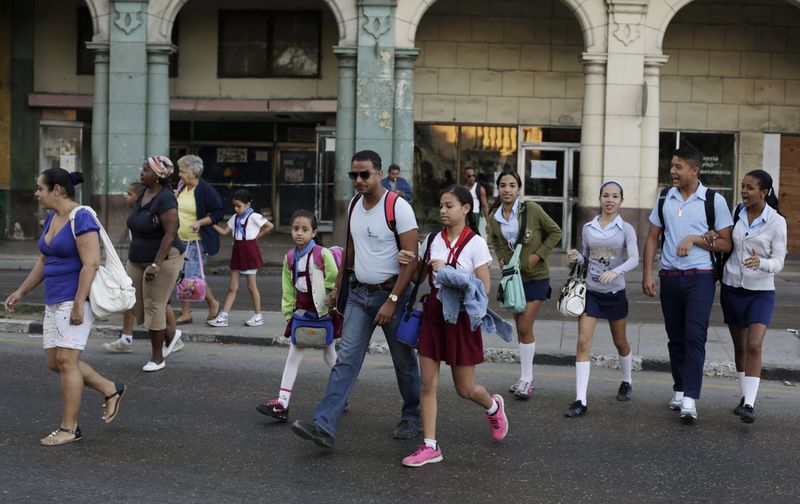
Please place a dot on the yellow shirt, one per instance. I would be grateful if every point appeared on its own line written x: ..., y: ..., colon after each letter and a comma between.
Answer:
x: 187, y: 213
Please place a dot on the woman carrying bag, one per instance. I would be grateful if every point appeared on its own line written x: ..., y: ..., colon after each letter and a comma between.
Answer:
x: 538, y: 234
x: 605, y: 240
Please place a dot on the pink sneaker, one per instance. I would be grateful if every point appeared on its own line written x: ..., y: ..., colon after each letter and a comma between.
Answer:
x: 424, y: 455
x: 498, y: 421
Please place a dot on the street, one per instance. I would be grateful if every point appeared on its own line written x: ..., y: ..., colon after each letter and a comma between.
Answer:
x: 191, y: 434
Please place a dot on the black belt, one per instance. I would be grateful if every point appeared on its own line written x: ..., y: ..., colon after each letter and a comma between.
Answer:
x: 669, y: 273
x: 386, y: 286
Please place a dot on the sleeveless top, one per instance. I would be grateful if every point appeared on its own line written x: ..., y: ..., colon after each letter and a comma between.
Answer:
x: 476, y: 200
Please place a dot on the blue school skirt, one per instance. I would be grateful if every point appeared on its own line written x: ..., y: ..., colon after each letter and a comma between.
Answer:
x: 742, y: 307
x: 607, y: 306
x: 537, y: 290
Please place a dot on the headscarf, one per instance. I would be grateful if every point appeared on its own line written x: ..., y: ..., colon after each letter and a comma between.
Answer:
x: 161, y: 165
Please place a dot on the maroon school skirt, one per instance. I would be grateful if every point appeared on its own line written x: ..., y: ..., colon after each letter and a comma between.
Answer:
x: 245, y: 255
x: 456, y: 344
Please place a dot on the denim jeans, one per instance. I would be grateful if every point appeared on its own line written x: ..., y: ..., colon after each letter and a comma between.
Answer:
x: 362, y: 306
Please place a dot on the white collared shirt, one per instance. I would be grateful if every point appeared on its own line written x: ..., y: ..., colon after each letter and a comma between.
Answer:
x: 509, y: 228
x: 766, y: 235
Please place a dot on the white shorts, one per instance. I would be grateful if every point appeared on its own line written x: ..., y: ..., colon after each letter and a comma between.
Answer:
x: 59, y: 333
x: 248, y: 272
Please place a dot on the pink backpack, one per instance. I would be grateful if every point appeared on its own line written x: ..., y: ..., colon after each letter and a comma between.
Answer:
x: 316, y: 255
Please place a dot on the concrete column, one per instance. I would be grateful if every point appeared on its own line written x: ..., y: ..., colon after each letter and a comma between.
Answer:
x: 651, y: 123
x: 345, y: 136
x: 592, y: 129
x: 403, y: 148
x: 375, y: 77
x: 158, y: 99
x: 100, y: 122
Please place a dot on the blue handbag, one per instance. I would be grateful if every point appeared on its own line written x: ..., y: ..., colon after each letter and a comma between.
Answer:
x: 408, y: 326
x: 311, y: 331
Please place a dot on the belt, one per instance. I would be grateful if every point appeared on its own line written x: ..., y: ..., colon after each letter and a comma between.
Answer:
x: 386, y: 286
x: 667, y: 273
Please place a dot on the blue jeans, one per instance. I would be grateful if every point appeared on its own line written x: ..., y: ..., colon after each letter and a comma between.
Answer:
x: 686, y: 302
x: 362, y: 306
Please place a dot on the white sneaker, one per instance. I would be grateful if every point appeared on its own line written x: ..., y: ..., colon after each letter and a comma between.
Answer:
x: 675, y: 402
x: 167, y: 350
x: 220, y: 321
x: 118, y: 346
x: 255, y: 320
x: 152, y: 366
x: 178, y: 346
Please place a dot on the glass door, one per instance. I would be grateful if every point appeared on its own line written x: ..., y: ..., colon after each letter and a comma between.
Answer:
x: 546, y: 171
x: 326, y: 166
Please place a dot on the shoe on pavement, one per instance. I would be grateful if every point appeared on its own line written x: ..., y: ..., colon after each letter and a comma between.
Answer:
x: 220, y: 321
x: 120, y: 346
x: 576, y: 409
x: 499, y: 421
x: 406, y: 429
x: 169, y: 349
x: 688, y: 414
x: 748, y: 414
x: 523, y: 390
x: 513, y: 387
x: 424, y: 455
x: 310, y: 431
x: 675, y: 402
x: 178, y: 346
x: 738, y: 409
x: 275, y: 409
x: 625, y: 391
x: 152, y: 366
x: 255, y: 320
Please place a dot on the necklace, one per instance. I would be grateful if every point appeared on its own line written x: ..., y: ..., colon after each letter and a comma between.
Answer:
x: 680, y: 212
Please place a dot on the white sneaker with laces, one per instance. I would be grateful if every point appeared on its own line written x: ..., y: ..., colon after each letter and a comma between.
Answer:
x: 675, y: 402
x: 220, y: 321
x: 118, y: 346
x: 255, y: 320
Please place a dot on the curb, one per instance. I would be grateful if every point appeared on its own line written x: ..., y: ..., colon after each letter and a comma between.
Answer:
x: 495, y: 355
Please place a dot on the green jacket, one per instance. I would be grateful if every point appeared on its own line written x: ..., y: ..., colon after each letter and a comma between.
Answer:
x: 542, y: 234
x: 322, y: 281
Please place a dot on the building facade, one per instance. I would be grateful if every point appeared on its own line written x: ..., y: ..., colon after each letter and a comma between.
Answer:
x: 277, y: 96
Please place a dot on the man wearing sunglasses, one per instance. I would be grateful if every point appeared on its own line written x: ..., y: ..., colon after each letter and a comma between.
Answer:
x: 480, y: 205
x: 378, y: 294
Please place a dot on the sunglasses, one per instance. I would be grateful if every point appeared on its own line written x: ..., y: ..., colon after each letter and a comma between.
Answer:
x: 366, y: 174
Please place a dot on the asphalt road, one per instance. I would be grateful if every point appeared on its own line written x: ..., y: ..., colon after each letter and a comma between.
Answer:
x: 642, y: 308
x: 191, y: 434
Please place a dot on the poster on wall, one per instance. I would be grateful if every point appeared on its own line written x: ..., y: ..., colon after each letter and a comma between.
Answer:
x: 543, y: 169
x: 231, y: 155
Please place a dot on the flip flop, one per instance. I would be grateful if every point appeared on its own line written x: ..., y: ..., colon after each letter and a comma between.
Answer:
x: 121, y: 389
x: 183, y: 321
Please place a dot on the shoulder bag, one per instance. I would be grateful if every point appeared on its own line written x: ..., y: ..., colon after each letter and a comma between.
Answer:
x: 511, y: 292
x: 572, y: 300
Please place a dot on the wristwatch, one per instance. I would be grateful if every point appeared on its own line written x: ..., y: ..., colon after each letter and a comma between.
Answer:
x: 393, y: 297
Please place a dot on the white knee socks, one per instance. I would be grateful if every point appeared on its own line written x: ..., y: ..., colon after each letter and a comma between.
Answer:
x: 293, y: 361
x: 625, y: 365
x: 581, y: 381
x: 751, y: 389
x: 526, y: 353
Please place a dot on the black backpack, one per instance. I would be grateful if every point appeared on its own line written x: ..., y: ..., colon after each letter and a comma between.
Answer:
x: 717, y: 258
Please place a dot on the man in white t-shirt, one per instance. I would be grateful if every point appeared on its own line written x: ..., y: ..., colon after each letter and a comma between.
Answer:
x: 378, y: 294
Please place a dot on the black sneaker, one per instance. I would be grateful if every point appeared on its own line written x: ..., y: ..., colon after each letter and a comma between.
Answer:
x: 274, y: 409
x: 624, y: 392
x: 738, y: 409
x: 576, y: 409
x: 310, y: 431
x: 406, y: 429
x: 747, y: 415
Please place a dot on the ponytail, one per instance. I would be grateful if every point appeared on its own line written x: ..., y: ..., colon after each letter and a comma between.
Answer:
x: 765, y: 184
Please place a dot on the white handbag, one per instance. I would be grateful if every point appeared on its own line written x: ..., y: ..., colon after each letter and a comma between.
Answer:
x: 572, y: 300
x: 112, y: 289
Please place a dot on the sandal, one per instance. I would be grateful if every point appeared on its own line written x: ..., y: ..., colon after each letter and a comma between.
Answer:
x: 183, y: 321
x: 50, y: 439
x: 121, y: 389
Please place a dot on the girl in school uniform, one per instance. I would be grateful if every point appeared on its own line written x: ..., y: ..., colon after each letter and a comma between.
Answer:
x: 305, y: 287
x: 248, y: 227
x: 748, y: 281
x: 542, y: 234
x: 606, y: 238
x: 459, y: 246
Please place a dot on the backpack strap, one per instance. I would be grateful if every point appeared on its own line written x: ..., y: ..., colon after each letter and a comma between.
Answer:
x: 736, y: 213
x: 717, y: 261
x: 347, y: 236
x: 389, y: 205
x: 662, y: 198
x: 523, y: 224
x: 316, y: 254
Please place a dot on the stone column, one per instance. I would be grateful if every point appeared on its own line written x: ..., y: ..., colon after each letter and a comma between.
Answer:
x: 375, y: 78
x: 345, y: 136
x: 592, y: 132
x: 403, y: 148
x: 651, y: 123
x: 158, y: 99
x: 100, y: 124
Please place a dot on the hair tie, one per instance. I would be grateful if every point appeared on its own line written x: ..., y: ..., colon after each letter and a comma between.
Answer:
x: 73, y: 177
x: 613, y: 181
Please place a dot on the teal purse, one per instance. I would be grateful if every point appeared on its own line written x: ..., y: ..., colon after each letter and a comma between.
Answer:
x: 511, y: 293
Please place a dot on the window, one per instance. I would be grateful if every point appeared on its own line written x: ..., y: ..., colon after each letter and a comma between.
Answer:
x: 85, y: 57
x: 268, y: 44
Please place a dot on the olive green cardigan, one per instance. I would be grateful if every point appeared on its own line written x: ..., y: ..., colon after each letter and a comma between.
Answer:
x: 542, y: 234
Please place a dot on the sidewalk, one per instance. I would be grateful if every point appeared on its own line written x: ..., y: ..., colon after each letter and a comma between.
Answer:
x: 555, y: 343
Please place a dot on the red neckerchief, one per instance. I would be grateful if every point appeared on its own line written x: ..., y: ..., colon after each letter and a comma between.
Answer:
x: 452, y: 260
